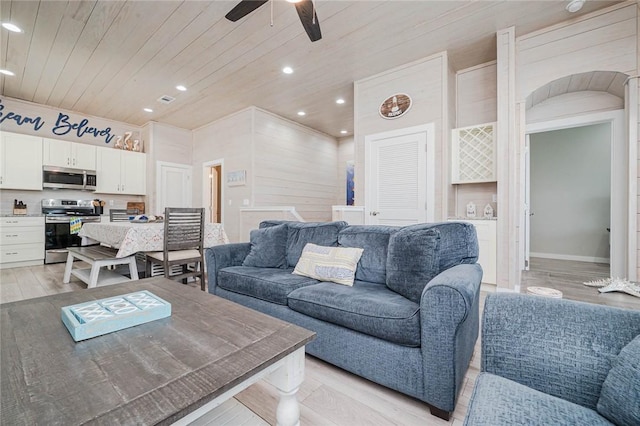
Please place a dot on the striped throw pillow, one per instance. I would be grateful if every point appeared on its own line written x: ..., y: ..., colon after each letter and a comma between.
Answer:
x: 335, y: 264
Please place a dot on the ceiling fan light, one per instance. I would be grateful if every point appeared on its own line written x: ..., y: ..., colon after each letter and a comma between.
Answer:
x: 294, y: 1
x: 574, y: 5
x: 302, y: 113
x: 340, y: 101
x: 7, y: 72
x: 287, y: 70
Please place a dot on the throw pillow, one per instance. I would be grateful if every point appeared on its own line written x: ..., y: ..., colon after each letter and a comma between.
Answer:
x: 335, y: 264
x: 268, y: 247
x: 620, y: 396
x: 301, y: 233
x: 413, y: 260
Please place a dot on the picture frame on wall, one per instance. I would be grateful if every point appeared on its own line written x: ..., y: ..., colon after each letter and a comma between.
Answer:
x: 237, y: 178
x: 350, y: 184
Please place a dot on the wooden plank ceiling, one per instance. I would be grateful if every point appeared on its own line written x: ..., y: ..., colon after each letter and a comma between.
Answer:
x: 113, y: 58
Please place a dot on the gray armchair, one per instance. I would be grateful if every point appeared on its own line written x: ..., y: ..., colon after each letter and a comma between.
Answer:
x: 556, y: 362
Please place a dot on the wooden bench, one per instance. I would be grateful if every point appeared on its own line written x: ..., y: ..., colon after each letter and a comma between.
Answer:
x: 97, y: 257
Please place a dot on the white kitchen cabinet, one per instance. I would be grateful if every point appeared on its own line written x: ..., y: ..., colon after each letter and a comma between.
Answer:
x: 69, y: 154
x: 121, y: 172
x: 473, y: 154
x: 487, y: 247
x: 20, y: 161
x: 21, y: 241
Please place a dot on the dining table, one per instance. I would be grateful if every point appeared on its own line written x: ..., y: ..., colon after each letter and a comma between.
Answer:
x: 132, y: 237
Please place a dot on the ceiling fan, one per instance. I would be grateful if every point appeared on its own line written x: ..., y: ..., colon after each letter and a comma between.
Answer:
x: 305, y: 8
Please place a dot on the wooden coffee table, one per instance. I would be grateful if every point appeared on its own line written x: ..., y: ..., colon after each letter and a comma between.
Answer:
x: 170, y: 370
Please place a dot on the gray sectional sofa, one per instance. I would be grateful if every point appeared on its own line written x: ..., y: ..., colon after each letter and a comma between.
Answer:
x: 409, y: 321
x: 556, y: 362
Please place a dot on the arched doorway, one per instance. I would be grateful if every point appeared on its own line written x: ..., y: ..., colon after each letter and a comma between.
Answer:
x: 581, y: 100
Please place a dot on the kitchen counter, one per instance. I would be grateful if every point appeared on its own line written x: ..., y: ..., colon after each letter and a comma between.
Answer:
x: 21, y: 215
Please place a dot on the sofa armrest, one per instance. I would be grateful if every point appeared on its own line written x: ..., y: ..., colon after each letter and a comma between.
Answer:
x: 223, y: 256
x: 449, y: 316
x: 559, y: 347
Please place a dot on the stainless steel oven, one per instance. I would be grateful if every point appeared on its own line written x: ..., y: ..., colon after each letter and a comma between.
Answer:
x: 57, y: 226
x: 59, y: 177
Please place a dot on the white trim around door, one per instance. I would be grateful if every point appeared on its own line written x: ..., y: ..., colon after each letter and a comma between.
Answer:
x: 622, y: 225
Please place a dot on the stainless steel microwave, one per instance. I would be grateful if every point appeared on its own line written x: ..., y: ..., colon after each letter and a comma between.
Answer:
x: 60, y: 177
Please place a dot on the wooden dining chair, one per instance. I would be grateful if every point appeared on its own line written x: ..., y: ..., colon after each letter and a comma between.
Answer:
x: 121, y: 215
x: 183, y: 244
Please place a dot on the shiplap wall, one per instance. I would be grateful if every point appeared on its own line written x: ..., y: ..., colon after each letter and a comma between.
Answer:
x: 165, y: 143
x: 287, y: 165
x: 476, y: 103
x: 605, y: 40
x: 426, y: 82
x: 293, y: 165
x: 599, y: 41
x: 228, y: 139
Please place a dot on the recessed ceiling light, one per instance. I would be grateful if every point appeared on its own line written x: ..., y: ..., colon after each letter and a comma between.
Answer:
x: 287, y: 70
x: 340, y: 101
x: 344, y: 132
x: 11, y: 27
x: 301, y: 113
x: 6, y: 72
x: 574, y: 5
x: 181, y: 88
x: 148, y: 109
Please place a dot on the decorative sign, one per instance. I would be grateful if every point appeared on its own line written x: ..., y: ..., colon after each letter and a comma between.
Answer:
x: 395, y: 106
x: 34, y: 119
x: 237, y: 178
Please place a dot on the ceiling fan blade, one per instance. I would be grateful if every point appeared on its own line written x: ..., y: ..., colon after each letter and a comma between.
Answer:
x: 244, y: 8
x: 309, y: 19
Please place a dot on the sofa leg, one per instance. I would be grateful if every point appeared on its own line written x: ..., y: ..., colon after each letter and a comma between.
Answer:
x: 435, y: 411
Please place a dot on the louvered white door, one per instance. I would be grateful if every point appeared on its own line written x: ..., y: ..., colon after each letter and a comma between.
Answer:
x: 400, y: 177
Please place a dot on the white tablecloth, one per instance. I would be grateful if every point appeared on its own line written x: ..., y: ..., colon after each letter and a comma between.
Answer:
x: 130, y: 238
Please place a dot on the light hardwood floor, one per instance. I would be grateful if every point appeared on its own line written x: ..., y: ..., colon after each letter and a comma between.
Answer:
x: 568, y: 276
x: 330, y: 396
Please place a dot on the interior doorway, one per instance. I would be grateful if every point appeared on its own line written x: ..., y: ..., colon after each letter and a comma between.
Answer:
x: 576, y: 198
x: 212, y: 188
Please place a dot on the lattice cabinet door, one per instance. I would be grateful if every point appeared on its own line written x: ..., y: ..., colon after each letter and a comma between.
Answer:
x: 473, y: 154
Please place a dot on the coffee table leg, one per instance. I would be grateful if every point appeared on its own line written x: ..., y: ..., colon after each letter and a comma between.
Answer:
x: 287, y: 379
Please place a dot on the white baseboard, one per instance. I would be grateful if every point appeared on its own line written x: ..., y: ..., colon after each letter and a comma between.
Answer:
x: 570, y: 257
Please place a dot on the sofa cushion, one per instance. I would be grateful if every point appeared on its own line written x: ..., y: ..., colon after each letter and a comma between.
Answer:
x: 375, y: 242
x: 270, y: 284
x: 369, y: 308
x: 319, y: 233
x: 417, y: 253
x: 498, y: 401
x: 268, y: 247
x: 335, y: 264
x: 620, y: 397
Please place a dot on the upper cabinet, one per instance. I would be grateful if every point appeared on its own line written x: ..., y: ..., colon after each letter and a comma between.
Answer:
x: 69, y: 154
x: 20, y: 161
x: 473, y: 154
x: 121, y: 172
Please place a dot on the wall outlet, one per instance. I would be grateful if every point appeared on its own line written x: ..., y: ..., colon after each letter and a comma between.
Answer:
x: 494, y: 198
